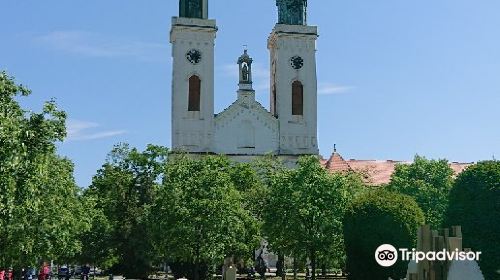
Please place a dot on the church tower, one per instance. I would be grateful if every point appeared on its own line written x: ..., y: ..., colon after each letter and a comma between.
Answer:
x: 292, y: 46
x: 193, y: 38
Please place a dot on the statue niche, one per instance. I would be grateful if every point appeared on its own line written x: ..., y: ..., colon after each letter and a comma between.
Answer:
x: 245, y: 66
x: 191, y: 8
x: 292, y: 12
x: 244, y: 73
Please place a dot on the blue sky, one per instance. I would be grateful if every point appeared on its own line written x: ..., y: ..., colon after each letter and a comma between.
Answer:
x: 396, y: 78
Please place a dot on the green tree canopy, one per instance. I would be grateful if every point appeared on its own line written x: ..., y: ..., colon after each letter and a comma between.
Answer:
x: 376, y: 218
x: 475, y: 205
x: 429, y: 182
x: 247, y: 182
x: 121, y: 192
x: 305, y: 208
x: 199, y: 216
x: 40, y: 209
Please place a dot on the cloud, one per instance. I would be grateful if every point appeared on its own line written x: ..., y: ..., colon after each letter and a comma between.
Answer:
x: 102, y: 46
x: 83, y: 131
x: 330, y: 89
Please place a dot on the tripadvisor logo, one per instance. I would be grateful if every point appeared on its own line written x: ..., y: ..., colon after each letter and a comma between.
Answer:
x: 387, y: 255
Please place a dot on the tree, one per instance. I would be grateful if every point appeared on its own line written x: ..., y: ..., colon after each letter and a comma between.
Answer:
x: 40, y: 209
x: 198, y: 217
x: 376, y: 218
x: 264, y: 169
x: 429, y: 182
x: 97, y: 244
x: 247, y: 182
x: 475, y: 205
x: 61, y: 213
x: 121, y: 192
x: 305, y: 208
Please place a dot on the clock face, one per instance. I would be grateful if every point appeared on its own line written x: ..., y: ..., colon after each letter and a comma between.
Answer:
x: 193, y: 56
x: 297, y: 62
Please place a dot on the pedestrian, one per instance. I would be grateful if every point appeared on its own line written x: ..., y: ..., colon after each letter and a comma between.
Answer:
x: 44, y: 272
x: 2, y: 274
x: 85, y: 272
x: 68, y: 275
x: 27, y: 274
x: 63, y: 272
x: 10, y: 274
x: 40, y: 273
x: 30, y: 273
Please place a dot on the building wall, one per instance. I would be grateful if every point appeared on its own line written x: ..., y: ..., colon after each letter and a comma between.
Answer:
x: 192, y: 131
x: 298, y: 134
x: 246, y: 128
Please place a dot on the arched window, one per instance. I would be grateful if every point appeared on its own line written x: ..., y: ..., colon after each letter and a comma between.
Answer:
x: 297, y: 99
x: 194, y: 93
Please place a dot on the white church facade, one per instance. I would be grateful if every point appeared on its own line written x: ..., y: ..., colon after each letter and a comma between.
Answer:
x: 245, y: 129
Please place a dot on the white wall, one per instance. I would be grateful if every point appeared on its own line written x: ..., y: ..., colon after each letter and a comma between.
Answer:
x: 192, y: 131
x: 235, y: 122
x: 298, y: 134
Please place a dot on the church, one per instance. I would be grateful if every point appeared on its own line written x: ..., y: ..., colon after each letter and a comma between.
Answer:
x: 245, y: 129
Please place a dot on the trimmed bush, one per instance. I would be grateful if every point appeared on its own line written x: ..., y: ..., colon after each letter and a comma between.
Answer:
x: 376, y: 218
x: 475, y: 205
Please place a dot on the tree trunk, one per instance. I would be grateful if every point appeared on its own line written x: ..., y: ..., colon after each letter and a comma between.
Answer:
x: 313, y: 264
x: 196, y: 270
x: 279, y: 265
x: 283, y: 270
x: 294, y: 268
x: 323, y: 269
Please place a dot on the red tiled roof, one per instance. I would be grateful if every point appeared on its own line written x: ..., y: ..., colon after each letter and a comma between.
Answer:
x: 337, y: 163
x: 375, y: 172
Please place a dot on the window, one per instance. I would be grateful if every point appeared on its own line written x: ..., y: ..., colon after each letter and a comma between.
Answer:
x: 194, y: 94
x: 297, y: 99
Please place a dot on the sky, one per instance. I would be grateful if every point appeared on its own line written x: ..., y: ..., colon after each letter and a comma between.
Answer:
x: 396, y: 78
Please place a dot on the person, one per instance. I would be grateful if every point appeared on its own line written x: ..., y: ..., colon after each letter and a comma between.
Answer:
x: 63, y: 272
x: 69, y: 274
x: 85, y: 272
x: 2, y: 274
x: 251, y: 273
x: 10, y: 274
x: 44, y: 272
x: 29, y: 273
x: 262, y: 266
x: 24, y: 273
